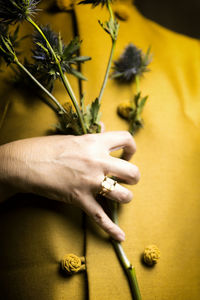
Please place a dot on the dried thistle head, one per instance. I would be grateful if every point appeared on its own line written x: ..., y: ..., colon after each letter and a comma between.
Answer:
x: 12, y: 11
x: 67, y: 55
x: 132, y: 62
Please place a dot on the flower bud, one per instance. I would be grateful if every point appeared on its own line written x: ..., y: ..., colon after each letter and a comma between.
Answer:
x: 124, y: 110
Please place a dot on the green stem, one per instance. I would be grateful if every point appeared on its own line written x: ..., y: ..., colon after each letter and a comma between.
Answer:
x: 128, y: 268
x: 107, y: 71
x: 63, y: 77
x: 40, y: 85
x: 44, y: 37
x: 110, y: 11
x: 137, y: 81
x: 110, y: 58
x: 73, y: 98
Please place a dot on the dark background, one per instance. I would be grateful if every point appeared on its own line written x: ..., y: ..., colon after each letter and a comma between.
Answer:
x: 179, y: 15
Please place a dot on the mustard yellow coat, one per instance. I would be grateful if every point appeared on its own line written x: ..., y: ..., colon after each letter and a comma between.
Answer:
x: 35, y: 233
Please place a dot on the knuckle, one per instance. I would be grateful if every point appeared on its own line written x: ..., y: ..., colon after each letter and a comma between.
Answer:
x: 102, y: 221
x: 126, y: 196
x: 98, y: 218
x: 89, y: 137
x: 128, y: 136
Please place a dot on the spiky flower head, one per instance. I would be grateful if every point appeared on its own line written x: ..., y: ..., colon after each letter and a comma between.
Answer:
x: 12, y: 11
x: 67, y: 55
x: 96, y: 2
x: 132, y: 62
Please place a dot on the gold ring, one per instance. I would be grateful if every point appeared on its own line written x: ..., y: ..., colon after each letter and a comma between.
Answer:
x: 107, y: 185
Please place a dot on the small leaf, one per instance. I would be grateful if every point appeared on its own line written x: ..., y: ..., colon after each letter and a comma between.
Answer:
x: 81, y: 58
x: 71, y: 48
x: 15, y: 34
x: 43, y: 47
x: 95, y: 107
x: 142, y: 104
x: 78, y: 74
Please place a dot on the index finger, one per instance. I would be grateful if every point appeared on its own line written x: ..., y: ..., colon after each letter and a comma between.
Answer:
x: 95, y: 210
x: 115, y: 140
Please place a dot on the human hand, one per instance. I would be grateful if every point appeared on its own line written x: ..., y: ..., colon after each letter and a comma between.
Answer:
x: 71, y: 169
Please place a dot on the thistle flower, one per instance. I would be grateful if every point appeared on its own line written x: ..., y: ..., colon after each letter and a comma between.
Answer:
x: 12, y: 11
x: 132, y: 62
x: 96, y: 2
x: 67, y: 55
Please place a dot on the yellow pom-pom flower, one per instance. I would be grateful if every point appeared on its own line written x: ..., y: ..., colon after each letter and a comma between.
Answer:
x: 72, y: 264
x: 151, y: 255
x: 124, y: 109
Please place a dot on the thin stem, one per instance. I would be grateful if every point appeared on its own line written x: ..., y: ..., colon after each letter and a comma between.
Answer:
x: 129, y: 269
x: 110, y: 11
x: 73, y: 98
x: 40, y: 85
x: 63, y: 77
x: 107, y: 71
x: 137, y: 81
x: 111, y: 55
x: 44, y: 37
x: 126, y: 265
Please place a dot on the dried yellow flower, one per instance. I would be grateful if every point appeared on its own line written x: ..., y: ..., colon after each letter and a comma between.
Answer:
x: 151, y: 255
x: 124, y: 110
x: 72, y: 264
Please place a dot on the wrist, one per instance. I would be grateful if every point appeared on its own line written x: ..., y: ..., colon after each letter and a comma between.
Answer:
x: 9, y: 176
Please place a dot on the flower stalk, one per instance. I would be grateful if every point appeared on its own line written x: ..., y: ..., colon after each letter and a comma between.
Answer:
x: 22, y: 67
x: 107, y: 71
x: 63, y: 77
x: 137, y: 81
x: 127, y: 266
x: 112, y: 28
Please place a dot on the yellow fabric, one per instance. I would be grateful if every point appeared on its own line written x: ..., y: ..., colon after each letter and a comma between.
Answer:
x: 36, y: 233
x: 166, y: 207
